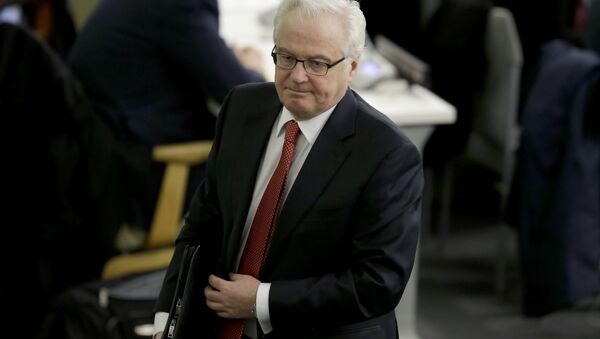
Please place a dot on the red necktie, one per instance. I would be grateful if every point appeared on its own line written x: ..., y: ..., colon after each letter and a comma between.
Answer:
x: 263, y: 225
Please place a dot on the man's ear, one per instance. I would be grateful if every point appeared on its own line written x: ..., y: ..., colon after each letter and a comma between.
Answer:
x: 353, y: 69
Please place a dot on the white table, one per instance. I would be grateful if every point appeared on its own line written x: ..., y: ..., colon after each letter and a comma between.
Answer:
x: 414, y: 108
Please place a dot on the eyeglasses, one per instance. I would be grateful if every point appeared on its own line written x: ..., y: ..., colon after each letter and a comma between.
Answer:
x: 314, y: 67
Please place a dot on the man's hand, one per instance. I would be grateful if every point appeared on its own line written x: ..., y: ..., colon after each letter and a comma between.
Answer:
x: 234, y: 299
x: 157, y: 335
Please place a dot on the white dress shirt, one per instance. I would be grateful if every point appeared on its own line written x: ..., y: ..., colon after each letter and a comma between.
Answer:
x: 309, y: 131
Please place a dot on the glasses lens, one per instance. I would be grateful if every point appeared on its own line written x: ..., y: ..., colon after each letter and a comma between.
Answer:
x: 315, y: 67
x: 285, y: 61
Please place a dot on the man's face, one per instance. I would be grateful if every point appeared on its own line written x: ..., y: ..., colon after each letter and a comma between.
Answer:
x: 321, y: 39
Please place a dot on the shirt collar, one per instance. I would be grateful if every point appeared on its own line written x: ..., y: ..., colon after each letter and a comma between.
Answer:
x: 310, y: 128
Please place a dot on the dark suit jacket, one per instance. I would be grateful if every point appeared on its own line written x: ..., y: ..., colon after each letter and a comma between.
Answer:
x: 150, y: 65
x: 345, y: 240
x: 555, y: 197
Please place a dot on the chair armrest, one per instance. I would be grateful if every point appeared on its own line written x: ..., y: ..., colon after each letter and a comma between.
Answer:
x: 191, y: 153
x: 169, y: 207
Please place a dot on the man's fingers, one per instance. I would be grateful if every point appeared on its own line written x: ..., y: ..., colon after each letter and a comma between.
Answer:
x: 224, y: 315
x: 219, y: 309
x: 211, y: 294
x: 214, y: 300
x: 232, y: 298
x: 235, y: 276
x: 216, y: 282
x: 215, y: 306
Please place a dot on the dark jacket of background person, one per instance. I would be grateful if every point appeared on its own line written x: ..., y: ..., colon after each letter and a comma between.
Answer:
x: 539, y: 21
x: 555, y: 199
x: 149, y: 67
x: 64, y: 190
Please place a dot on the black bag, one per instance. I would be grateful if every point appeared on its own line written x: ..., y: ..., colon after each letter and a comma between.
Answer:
x: 120, y: 308
x: 181, y: 297
x: 189, y: 316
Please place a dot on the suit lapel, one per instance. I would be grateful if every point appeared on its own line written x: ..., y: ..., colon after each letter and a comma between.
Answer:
x: 252, y: 143
x: 325, y: 158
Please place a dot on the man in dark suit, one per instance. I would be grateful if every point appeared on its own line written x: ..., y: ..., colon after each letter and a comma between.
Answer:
x: 340, y: 248
x: 152, y: 68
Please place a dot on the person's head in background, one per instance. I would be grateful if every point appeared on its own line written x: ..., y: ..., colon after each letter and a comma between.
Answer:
x: 330, y: 34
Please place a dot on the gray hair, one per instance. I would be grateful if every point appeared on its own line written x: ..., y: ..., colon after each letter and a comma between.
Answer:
x: 348, y: 10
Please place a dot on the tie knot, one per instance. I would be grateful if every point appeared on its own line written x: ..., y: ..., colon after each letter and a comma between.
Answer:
x: 291, y: 131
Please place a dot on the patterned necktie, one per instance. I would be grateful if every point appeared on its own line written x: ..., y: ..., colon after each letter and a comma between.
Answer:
x: 263, y: 225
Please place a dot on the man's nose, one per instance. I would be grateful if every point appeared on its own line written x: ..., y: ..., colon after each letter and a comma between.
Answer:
x: 299, y: 73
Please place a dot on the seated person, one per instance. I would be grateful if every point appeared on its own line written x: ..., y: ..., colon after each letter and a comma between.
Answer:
x: 151, y: 67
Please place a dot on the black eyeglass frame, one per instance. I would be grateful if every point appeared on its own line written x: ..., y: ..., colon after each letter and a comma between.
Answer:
x: 333, y: 64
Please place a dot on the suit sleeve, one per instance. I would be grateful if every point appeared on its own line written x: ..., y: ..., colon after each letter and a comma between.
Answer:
x: 190, y: 35
x: 202, y: 224
x: 383, y: 246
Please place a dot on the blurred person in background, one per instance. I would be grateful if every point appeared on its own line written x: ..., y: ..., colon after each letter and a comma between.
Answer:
x: 152, y: 68
x: 539, y: 21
